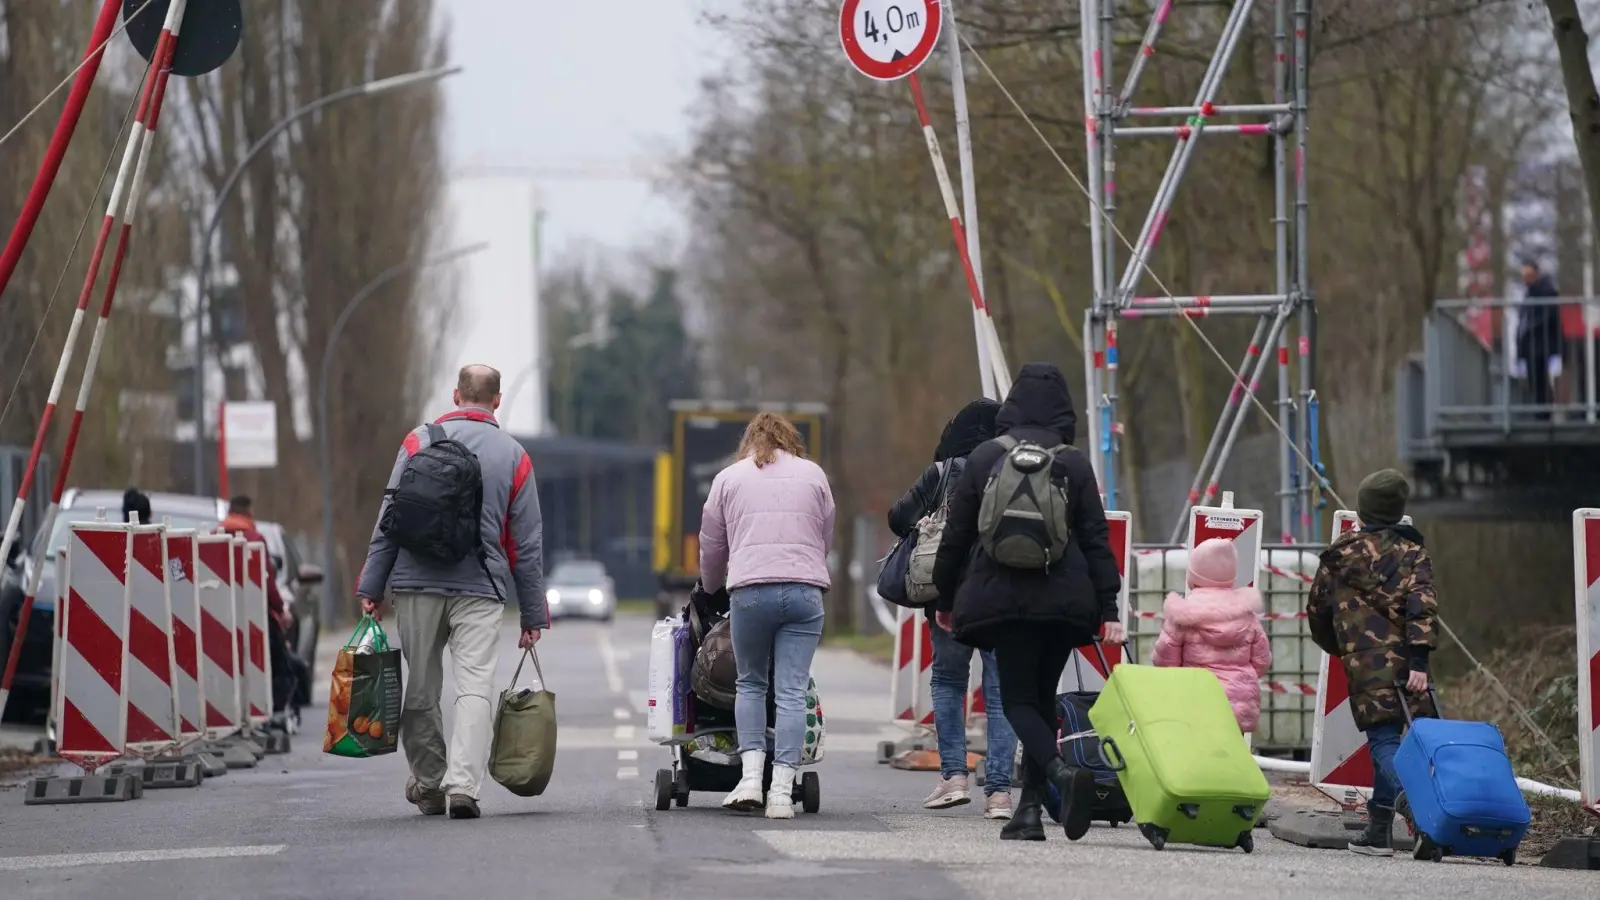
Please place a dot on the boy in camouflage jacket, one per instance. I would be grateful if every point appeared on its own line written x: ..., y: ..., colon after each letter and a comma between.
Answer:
x: 1372, y: 605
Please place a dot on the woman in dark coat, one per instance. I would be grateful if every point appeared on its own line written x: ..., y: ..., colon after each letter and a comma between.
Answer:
x: 952, y: 660
x: 1033, y: 619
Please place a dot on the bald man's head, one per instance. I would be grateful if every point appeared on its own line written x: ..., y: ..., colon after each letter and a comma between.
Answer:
x: 478, y: 386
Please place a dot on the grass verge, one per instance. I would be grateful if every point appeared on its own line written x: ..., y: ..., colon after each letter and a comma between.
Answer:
x: 15, y: 762
x: 1537, y: 666
x: 878, y: 647
x: 636, y: 606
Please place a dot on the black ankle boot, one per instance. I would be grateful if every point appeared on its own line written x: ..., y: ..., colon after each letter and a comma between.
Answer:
x: 1027, y: 822
x: 1378, y: 838
x: 1076, y: 787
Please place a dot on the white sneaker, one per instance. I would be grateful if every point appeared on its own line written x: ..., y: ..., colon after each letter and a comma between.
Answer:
x: 951, y: 791
x: 746, y: 796
x: 998, y: 805
x: 780, y: 800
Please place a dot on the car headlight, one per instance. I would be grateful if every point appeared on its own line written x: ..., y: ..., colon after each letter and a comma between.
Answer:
x: 596, y: 596
x: 552, y: 597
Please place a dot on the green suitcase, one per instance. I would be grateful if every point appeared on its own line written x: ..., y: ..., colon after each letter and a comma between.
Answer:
x: 1178, y: 752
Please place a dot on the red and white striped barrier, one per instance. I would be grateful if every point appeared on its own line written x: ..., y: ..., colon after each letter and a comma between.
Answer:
x: 1341, y: 766
x: 150, y: 689
x: 250, y: 614
x: 910, y: 692
x: 219, y: 667
x: 1586, y: 577
x: 184, y: 597
x: 1242, y: 526
x: 1083, y: 671
x: 92, y: 711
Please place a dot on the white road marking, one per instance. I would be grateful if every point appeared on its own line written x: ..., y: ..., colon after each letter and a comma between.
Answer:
x: 627, y: 755
x: 72, y: 860
x: 622, y: 715
x: 608, y: 659
x: 627, y: 772
x: 623, y: 733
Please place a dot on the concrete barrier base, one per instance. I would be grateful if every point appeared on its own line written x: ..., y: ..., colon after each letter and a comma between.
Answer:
x: 52, y: 789
x: 1580, y: 851
x: 174, y: 772
x: 1329, y: 830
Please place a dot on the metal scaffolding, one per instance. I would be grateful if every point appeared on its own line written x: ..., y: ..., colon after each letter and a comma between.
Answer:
x: 1107, y: 113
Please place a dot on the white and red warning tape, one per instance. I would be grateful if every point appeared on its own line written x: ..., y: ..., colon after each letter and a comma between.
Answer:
x: 123, y: 203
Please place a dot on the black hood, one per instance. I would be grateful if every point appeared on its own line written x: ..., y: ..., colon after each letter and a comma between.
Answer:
x: 1039, y: 399
x: 970, y: 427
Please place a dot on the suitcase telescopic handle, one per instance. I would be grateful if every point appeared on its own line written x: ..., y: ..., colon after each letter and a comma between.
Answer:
x: 1108, y: 749
x: 1405, y: 707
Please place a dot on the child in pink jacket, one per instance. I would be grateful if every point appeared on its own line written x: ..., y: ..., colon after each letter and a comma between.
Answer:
x: 1215, y: 626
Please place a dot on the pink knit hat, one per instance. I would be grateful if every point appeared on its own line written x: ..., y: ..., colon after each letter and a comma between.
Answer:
x: 1213, y: 564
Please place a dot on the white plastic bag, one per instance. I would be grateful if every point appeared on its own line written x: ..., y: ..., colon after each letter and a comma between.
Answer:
x: 667, y: 719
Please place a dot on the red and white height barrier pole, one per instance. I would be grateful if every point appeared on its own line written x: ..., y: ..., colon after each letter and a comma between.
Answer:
x: 123, y: 204
x: 65, y: 126
x: 986, y: 333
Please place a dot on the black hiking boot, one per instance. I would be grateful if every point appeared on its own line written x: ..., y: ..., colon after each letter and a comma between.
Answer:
x: 1076, y: 787
x: 1027, y: 822
x: 1378, y: 838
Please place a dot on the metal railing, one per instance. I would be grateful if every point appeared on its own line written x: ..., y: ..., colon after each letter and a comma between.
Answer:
x: 1510, y: 365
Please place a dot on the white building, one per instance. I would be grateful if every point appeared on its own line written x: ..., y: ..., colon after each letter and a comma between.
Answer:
x: 499, y: 321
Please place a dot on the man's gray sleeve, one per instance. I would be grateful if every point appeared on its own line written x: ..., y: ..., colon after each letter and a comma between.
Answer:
x: 527, y: 559
x: 381, y: 551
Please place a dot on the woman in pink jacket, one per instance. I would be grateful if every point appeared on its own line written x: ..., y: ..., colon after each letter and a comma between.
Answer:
x: 765, y: 534
x: 1217, y: 627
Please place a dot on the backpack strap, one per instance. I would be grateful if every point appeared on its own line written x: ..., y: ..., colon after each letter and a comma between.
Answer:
x: 436, y: 433
x: 1007, y: 441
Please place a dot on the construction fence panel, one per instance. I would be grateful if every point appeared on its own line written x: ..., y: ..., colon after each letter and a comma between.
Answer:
x: 1285, y: 573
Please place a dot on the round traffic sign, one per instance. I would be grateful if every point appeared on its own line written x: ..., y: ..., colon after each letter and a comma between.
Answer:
x: 889, y: 39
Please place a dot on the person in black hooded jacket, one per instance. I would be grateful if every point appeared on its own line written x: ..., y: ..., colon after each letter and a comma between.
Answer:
x: 1033, y: 618
x: 952, y: 660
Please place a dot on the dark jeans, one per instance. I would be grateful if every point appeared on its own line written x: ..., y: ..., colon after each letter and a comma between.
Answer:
x: 1030, y: 662
x: 283, y: 671
x: 1383, y: 741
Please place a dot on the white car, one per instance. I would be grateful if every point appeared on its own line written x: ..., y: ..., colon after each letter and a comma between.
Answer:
x: 580, y: 588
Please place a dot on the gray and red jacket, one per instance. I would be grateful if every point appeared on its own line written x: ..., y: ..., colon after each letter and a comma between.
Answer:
x: 513, y: 535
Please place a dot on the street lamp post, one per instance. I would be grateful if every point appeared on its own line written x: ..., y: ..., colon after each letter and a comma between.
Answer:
x: 202, y: 277
x: 329, y: 594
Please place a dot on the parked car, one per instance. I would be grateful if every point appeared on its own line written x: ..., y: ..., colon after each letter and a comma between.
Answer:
x: 32, y: 681
x: 297, y: 582
x: 580, y: 587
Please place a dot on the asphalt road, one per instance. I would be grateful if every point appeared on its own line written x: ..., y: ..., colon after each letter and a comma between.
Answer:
x: 307, y: 825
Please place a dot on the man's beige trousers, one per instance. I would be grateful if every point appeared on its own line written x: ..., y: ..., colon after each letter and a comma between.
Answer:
x: 470, y: 627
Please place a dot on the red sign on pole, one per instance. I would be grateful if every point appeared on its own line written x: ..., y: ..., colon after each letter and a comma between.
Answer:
x: 889, y: 39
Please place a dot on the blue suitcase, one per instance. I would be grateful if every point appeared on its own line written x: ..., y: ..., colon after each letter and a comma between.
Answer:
x: 1462, y: 794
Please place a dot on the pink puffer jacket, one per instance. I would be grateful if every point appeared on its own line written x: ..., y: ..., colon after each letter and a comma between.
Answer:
x: 1217, y: 629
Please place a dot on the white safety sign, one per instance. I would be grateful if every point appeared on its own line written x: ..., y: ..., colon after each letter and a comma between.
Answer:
x: 889, y: 39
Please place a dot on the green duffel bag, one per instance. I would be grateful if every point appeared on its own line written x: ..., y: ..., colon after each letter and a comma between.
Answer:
x: 524, y: 751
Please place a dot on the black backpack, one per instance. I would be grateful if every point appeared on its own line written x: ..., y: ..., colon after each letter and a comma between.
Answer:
x: 436, y: 510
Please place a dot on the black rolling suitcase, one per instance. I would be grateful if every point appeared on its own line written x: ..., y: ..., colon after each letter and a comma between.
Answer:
x: 1080, y: 747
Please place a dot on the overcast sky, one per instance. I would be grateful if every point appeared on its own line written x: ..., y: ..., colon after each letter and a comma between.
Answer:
x: 603, y: 84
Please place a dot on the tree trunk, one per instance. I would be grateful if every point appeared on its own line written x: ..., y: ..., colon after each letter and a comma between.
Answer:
x: 1583, y: 101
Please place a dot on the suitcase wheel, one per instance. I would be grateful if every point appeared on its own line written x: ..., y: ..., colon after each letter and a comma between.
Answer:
x: 810, y: 792
x: 1509, y: 857
x: 1247, y: 842
x: 663, y: 789
x: 1427, y: 849
x: 1156, y: 836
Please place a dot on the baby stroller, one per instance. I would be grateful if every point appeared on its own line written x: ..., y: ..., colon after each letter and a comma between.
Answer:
x: 708, y: 758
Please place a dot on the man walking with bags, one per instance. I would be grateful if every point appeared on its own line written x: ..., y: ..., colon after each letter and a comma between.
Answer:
x: 458, y: 535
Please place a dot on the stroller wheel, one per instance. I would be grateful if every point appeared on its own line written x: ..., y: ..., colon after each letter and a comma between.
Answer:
x: 680, y: 786
x: 663, y: 789
x: 810, y: 792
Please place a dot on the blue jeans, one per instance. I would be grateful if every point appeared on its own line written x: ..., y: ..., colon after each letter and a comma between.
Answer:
x: 1383, y: 741
x: 952, y: 666
x: 776, y: 629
